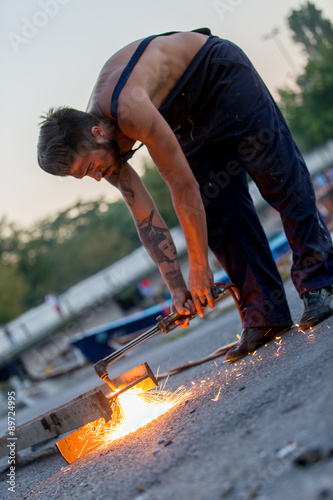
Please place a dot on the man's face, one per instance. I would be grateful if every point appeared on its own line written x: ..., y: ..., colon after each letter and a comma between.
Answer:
x: 97, y: 163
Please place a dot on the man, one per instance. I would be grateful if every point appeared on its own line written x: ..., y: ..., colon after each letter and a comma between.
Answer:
x: 208, y: 121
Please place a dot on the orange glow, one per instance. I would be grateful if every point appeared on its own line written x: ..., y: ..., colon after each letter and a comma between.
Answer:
x: 132, y: 411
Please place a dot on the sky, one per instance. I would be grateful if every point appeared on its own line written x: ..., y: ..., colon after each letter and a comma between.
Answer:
x: 53, y: 50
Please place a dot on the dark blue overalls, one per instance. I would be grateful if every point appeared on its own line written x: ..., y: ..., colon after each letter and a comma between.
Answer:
x: 228, y: 126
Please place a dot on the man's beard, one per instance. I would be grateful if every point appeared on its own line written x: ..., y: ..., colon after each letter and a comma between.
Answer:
x: 111, y: 145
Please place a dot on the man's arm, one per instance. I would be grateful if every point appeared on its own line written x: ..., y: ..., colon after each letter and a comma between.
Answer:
x: 147, y: 125
x: 154, y: 235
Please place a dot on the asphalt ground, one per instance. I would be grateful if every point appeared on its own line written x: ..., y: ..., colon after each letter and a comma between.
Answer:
x: 260, y: 428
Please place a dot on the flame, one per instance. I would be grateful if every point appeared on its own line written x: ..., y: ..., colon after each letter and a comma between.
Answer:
x: 133, y: 410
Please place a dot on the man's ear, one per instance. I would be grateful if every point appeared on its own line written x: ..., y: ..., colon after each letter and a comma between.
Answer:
x: 98, y: 133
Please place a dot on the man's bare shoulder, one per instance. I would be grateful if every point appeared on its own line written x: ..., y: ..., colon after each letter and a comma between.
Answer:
x: 173, y: 51
x: 108, y: 78
x: 187, y: 41
x: 160, y: 67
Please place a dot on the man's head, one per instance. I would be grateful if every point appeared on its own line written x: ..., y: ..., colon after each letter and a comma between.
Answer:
x: 72, y: 142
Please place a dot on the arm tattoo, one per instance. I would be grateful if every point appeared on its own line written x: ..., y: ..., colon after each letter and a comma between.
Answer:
x: 175, y: 279
x: 162, y: 250
x: 157, y: 240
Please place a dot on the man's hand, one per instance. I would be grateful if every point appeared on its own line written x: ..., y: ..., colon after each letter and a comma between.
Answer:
x: 182, y: 303
x: 201, y: 286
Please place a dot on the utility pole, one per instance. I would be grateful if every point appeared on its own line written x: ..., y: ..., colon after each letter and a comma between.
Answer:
x: 273, y: 35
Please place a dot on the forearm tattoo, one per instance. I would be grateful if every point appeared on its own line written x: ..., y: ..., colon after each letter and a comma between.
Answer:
x: 162, y: 250
x: 175, y: 279
x: 157, y: 240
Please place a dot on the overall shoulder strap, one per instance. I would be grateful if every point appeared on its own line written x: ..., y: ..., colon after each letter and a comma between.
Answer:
x: 132, y: 62
x: 126, y: 73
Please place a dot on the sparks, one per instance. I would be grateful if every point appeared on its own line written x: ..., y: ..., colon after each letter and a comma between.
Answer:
x: 134, y: 410
x: 217, y: 395
x: 279, y: 344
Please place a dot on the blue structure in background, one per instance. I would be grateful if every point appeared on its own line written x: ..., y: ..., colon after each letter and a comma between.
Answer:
x: 94, y: 342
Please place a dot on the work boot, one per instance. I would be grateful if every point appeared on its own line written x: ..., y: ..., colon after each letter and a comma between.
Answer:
x: 318, y: 305
x: 253, y: 338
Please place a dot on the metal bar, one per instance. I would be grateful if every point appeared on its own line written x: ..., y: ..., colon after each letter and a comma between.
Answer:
x: 65, y: 418
x: 79, y: 443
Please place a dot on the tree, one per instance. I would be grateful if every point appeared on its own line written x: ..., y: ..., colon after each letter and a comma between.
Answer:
x: 160, y: 193
x: 78, y: 242
x: 12, y: 290
x: 309, y: 110
x: 308, y: 107
x: 310, y: 28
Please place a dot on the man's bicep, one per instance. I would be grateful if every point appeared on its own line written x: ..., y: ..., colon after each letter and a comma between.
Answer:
x: 147, y: 125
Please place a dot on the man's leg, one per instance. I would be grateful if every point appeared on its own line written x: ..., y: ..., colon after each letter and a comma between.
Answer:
x: 278, y: 168
x: 238, y: 240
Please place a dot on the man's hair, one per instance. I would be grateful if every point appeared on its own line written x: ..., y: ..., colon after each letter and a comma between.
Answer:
x: 64, y: 133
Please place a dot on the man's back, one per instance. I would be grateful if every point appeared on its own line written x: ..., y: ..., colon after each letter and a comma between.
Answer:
x: 155, y: 72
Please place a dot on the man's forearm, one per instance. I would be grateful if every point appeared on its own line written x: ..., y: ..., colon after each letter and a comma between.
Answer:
x: 159, y: 244
x: 191, y: 215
